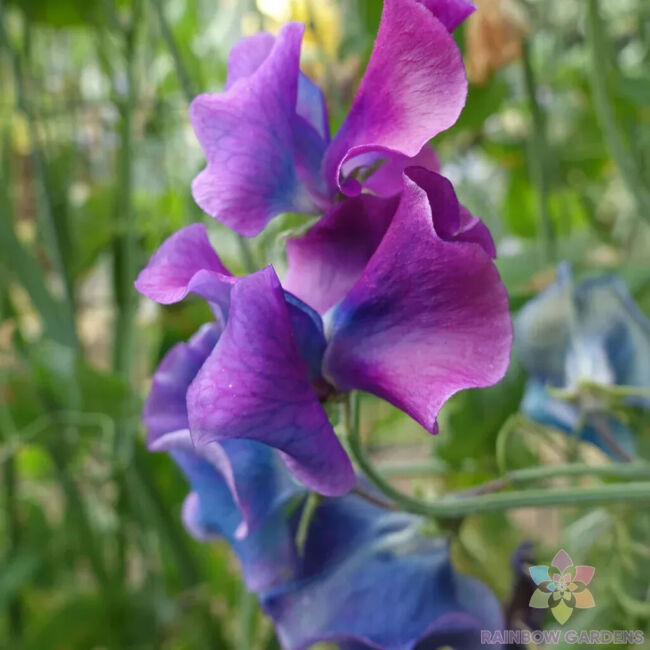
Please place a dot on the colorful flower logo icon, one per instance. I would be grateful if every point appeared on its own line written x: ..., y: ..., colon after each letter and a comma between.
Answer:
x: 562, y: 587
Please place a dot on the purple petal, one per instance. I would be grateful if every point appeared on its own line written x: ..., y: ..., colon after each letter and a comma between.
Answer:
x: 185, y: 262
x: 562, y: 561
x: 325, y: 263
x: 247, y: 55
x: 387, y: 180
x: 247, y: 134
x: 427, y: 318
x: 414, y: 88
x: 255, y: 386
x: 166, y: 410
x: 472, y: 229
x: 451, y: 220
x: 249, y: 470
x: 451, y: 13
x: 370, y: 580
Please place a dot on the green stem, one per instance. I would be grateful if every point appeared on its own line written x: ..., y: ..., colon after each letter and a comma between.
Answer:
x: 515, y: 477
x: 539, y: 157
x: 311, y: 504
x: 518, y: 477
x: 183, y: 75
x: 52, y: 233
x: 143, y: 485
x: 15, y: 604
x: 76, y: 507
x: 247, y: 619
x: 455, y: 506
x: 17, y: 259
x: 125, y: 242
x: 627, y: 165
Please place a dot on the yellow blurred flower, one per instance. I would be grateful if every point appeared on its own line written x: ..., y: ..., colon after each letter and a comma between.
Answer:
x: 494, y: 37
x: 321, y: 17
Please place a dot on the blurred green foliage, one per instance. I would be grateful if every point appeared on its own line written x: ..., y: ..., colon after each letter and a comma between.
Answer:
x: 553, y: 151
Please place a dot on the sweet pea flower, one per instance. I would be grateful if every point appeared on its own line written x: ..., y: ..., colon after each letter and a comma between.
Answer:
x: 365, y: 578
x: 587, y: 332
x: 413, y: 311
x: 266, y: 137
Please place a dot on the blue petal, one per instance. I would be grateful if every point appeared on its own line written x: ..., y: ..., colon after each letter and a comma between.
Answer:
x: 370, y: 579
x: 607, y: 312
x: 540, y: 406
x: 592, y: 330
x: 307, y: 328
x: 542, y: 332
x: 266, y: 553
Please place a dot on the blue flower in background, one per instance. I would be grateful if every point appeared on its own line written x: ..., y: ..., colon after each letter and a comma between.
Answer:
x: 366, y: 578
x: 590, y: 332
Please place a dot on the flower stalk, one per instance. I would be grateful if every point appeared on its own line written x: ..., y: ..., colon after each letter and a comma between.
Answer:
x: 458, y: 505
x: 628, y: 168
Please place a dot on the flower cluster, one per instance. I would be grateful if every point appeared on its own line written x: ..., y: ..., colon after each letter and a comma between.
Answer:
x: 393, y: 291
x: 574, y: 336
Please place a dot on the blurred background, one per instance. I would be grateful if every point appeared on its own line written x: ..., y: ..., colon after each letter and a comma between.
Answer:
x: 96, y: 159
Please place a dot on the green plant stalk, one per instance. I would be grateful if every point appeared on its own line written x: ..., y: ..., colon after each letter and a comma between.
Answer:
x: 516, y: 477
x: 76, y: 506
x: 453, y: 507
x: 311, y: 504
x: 137, y: 474
x: 124, y: 244
x: 247, y: 619
x: 12, y: 526
x: 52, y: 232
x: 626, y: 471
x: 124, y: 269
x: 539, y: 157
x: 142, y: 484
x: 627, y: 165
x: 183, y: 75
x: 187, y: 85
x: 17, y: 259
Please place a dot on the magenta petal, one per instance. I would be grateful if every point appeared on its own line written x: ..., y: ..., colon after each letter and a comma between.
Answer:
x: 247, y: 135
x: 170, y: 273
x: 451, y: 220
x: 387, y: 180
x: 427, y: 318
x: 445, y: 209
x: 414, y: 88
x: 474, y: 230
x: 451, y: 13
x: 325, y: 263
x: 255, y: 386
x: 584, y: 573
